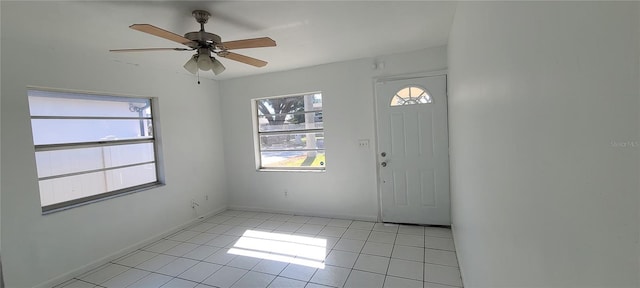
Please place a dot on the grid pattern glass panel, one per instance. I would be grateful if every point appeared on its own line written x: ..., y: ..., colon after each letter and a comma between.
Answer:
x: 411, y: 96
x: 90, y: 146
x: 291, y: 132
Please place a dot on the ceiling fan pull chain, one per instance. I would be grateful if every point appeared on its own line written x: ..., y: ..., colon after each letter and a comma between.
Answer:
x: 198, y: 76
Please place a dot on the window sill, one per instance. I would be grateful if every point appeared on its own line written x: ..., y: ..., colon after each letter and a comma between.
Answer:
x: 140, y: 189
x: 291, y: 170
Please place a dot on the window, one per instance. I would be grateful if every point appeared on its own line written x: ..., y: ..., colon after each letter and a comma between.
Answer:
x: 410, y: 96
x: 290, y: 132
x: 90, y: 147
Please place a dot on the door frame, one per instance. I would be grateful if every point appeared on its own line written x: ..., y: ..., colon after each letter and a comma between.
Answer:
x: 382, y: 79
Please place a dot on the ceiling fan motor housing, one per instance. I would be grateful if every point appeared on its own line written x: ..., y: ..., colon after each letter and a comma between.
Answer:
x: 204, y: 38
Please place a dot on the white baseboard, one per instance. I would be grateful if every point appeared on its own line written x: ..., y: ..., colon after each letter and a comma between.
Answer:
x: 305, y: 213
x: 104, y: 260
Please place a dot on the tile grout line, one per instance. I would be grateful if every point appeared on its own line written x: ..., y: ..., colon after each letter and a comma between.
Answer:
x: 359, y: 253
x: 424, y: 257
x: 314, y: 273
x: 390, y: 257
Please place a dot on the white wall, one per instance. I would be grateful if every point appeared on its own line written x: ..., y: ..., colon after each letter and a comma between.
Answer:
x: 1, y: 275
x: 1, y: 269
x: 543, y: 96
x: 37, y: 248
x: 348, y: 187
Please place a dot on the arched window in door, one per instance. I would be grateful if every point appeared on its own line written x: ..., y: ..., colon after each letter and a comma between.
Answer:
x: 411, y: 95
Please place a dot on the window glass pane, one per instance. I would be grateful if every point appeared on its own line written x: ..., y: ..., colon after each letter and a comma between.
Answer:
x: 284, y: 122
x: 58, y: 190
x: 57, y: 131
x: 296, y: 159
x: 58, y: 162
x: 120, y: 155
x: 44, y: 103
x: 291, y: 104
x: 292, y: 141
x: 130, y: 176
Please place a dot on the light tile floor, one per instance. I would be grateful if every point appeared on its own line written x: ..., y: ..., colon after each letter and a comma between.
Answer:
x: 251, y: 249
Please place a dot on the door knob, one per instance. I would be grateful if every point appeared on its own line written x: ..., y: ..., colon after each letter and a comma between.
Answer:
x: 383, y: 154
x: 384, y: 164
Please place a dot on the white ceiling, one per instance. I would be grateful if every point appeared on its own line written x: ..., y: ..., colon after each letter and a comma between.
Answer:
x: 307, y: 33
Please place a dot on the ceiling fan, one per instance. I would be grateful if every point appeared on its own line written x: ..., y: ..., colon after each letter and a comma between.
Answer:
x: 204, y: 43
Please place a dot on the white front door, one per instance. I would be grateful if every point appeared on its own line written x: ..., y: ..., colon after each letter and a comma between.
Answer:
x: 413, y: 150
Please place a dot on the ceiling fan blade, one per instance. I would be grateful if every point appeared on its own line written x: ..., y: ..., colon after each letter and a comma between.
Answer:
x: 153, y: 30
x: 242, y: 58
x: 150, y: 49
x: 249, y: 43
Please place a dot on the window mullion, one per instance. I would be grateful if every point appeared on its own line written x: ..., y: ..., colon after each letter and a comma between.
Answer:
x: 89, y: 118
x: 293, y: 113
x: 293, y: 150
x: 66, y: 146
x: 291, y: 132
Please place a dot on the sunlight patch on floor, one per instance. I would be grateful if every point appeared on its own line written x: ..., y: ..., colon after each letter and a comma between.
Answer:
x: 300, y: 250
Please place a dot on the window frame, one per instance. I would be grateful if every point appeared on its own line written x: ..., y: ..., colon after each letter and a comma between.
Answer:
x: 256, y: 135
x: 85, y: 95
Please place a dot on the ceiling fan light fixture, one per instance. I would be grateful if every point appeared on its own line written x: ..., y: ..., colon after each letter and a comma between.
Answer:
x: 204, y: 63
x: 217, y: 66
x: 204, y: 59
x: 192, y: 65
